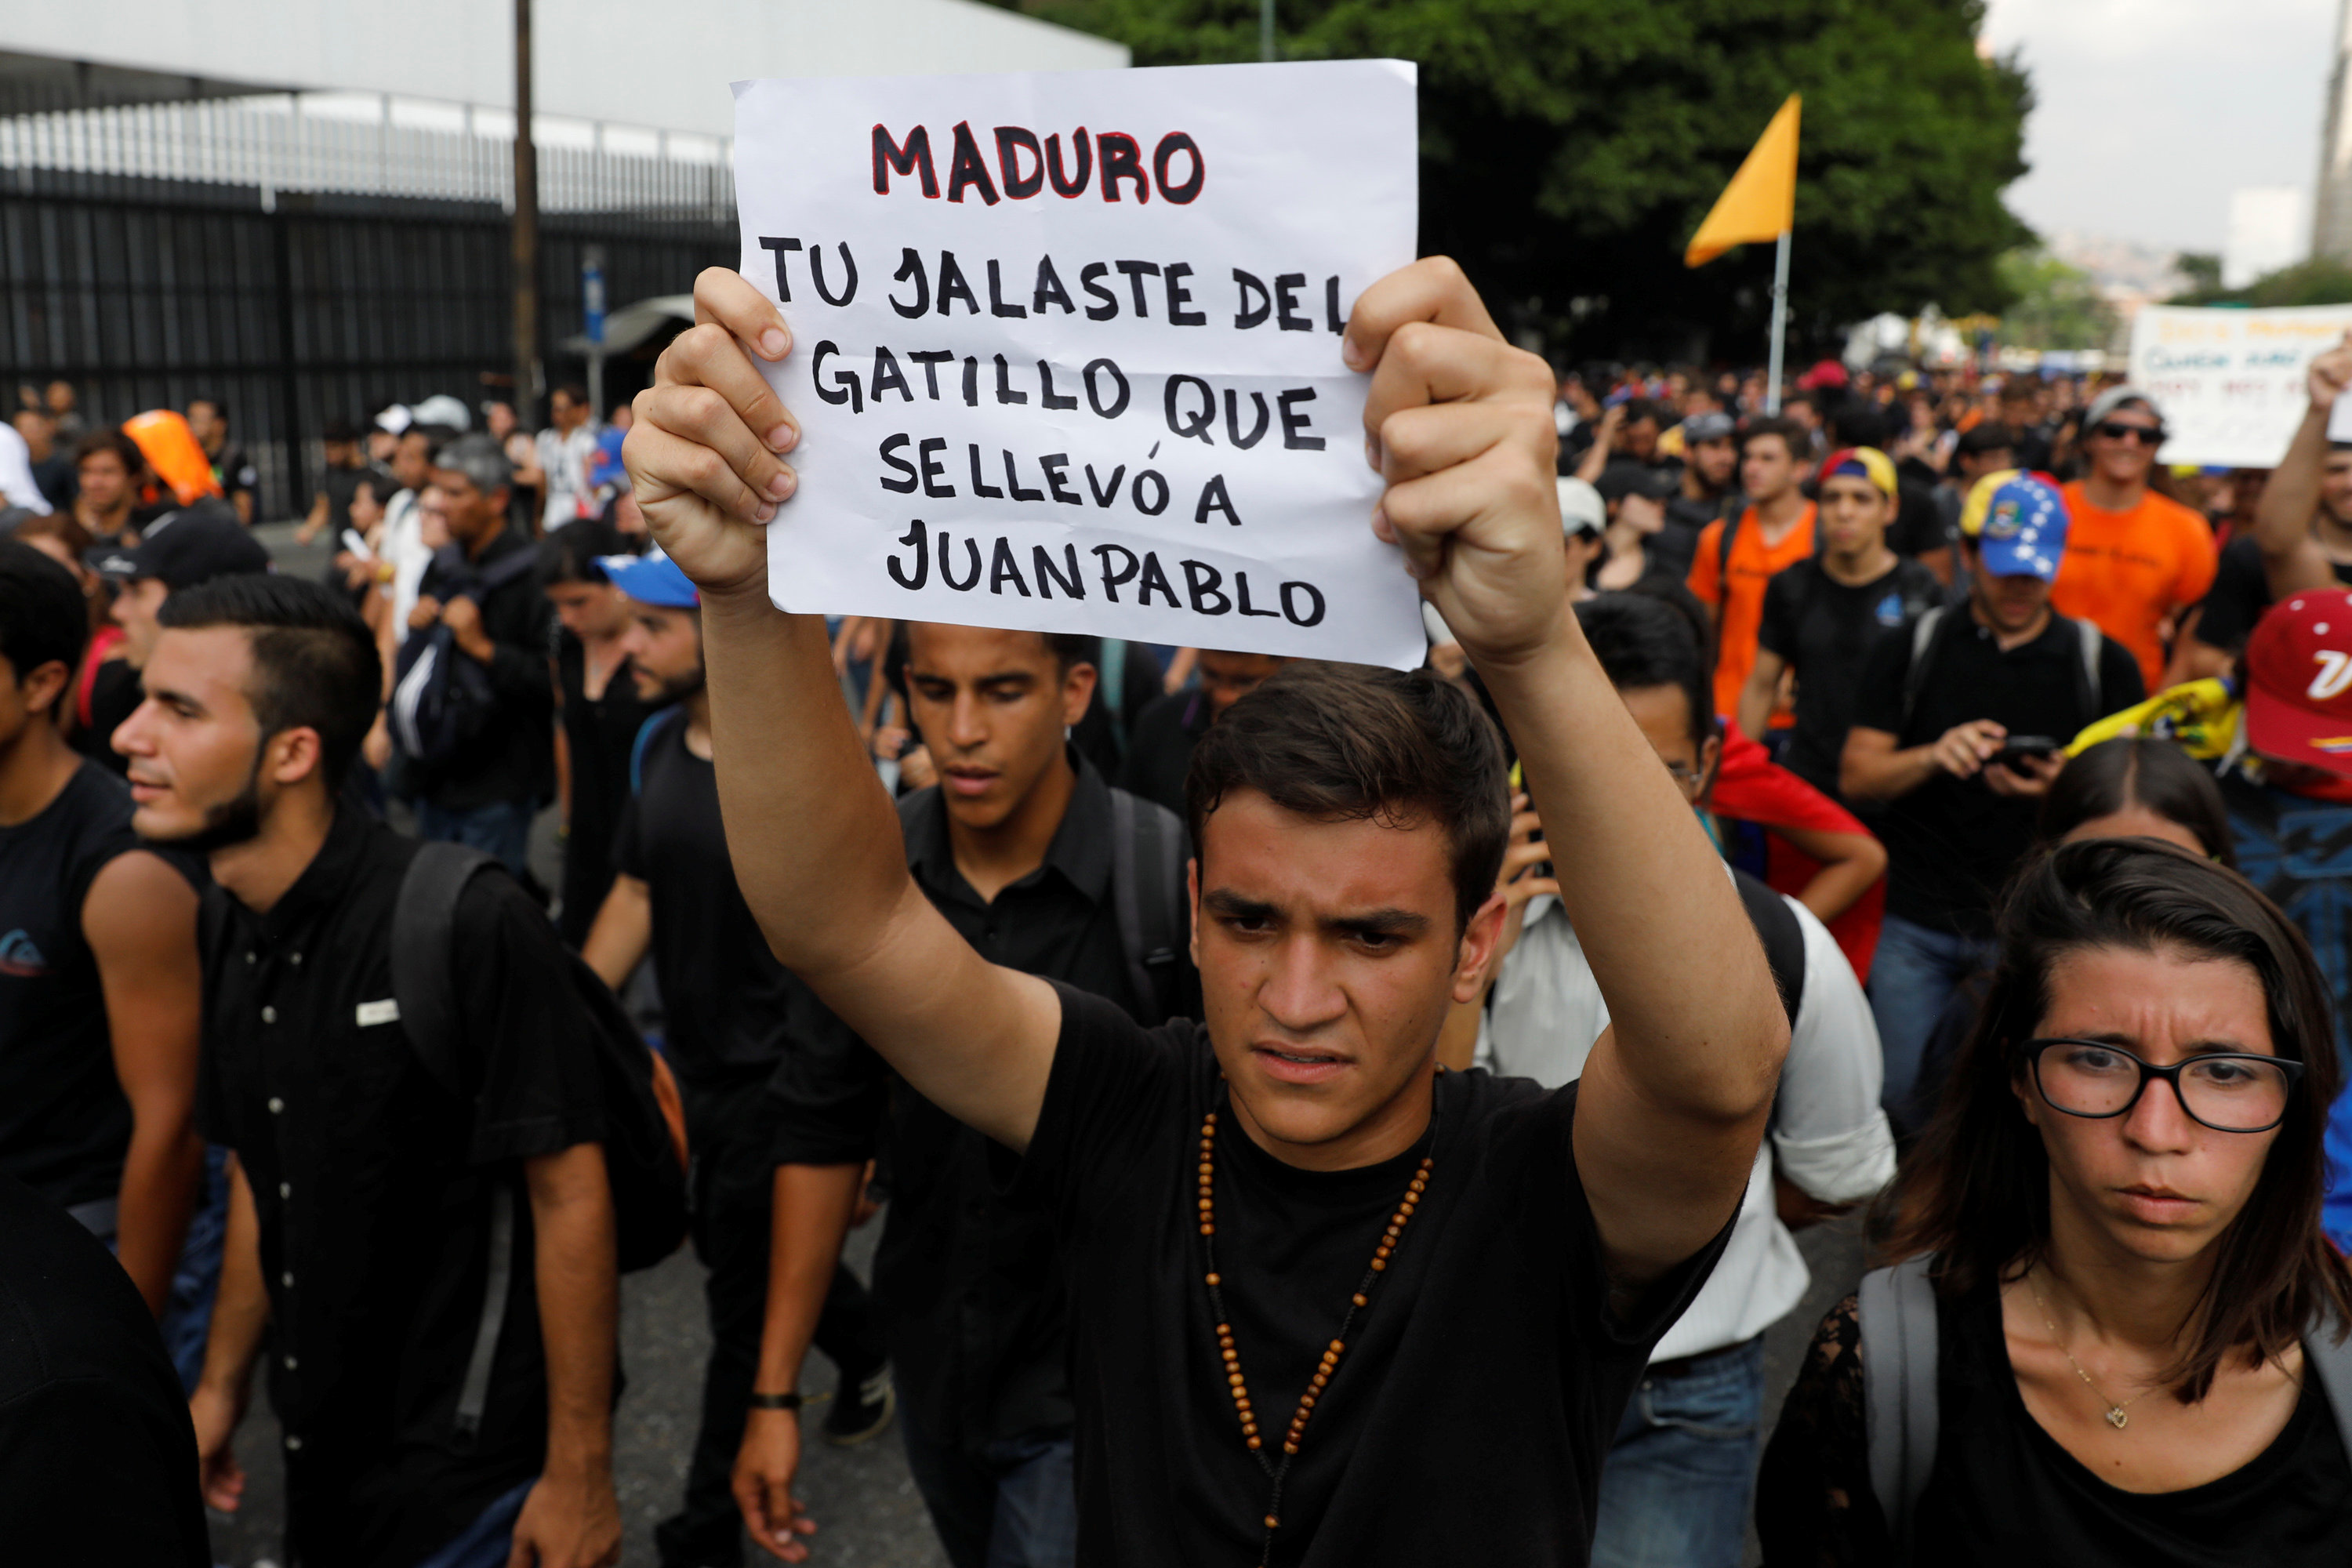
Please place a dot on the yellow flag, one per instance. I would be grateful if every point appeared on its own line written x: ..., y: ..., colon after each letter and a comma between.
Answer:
x: 1760, y: 203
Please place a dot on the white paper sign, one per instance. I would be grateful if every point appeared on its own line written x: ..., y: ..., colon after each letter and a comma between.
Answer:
x: 1066, y: 348
x: 2231, y: 382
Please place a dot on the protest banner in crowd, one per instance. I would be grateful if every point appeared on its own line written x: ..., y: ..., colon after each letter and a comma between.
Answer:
x: 2231, y: 382
x: 1067, y: 348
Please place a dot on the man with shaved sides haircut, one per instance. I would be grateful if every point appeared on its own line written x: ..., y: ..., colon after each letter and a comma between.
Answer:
x: 1328, y: 1305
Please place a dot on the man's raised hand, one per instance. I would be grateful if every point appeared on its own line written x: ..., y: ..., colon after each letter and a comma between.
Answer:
x: 1460, y: 425
x: 704, y: 455
x: 2329, y: 374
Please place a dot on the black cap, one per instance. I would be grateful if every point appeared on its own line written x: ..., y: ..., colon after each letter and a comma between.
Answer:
x: 182, y: 549
x: 1624, y: 477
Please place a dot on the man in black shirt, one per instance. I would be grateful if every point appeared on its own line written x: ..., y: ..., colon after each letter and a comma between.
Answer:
x: 95, y: 1461
x: 1167, y: 731
x: 98, y: 994
x: 733, y: 1012
x: 1221, y: 1194
x: 1823, y: 615
x: 1983, y: 448
x: 330, y: 503
x: 1957, y: 720
x: 232, y: 469
x: 486, y: 795
x: 1019, y: 847
x: 432, y: 1260
x: 178, y: 550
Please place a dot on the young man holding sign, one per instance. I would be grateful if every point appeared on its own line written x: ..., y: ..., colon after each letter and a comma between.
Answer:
x: 1272, y: 1360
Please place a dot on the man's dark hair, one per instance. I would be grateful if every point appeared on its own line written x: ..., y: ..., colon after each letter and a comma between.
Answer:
x: 571, y: 554
x: 1640, y: 408
x: 111, y: 439
x: 1070, y: 651
x: 340, y: 431
x: 1859, y: 423
x: 42, y: 617
x: 572, y: 390
x: 1986, y: 436
x: 209, y: 400
x: 1643, y: 643
x: 314, y: 663
x: 1793, y: 436
x: 1349, y: 742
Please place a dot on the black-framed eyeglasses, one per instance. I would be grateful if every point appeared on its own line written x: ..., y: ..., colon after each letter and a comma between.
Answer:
x: 2115, y: 430
x: 2229, y: 1091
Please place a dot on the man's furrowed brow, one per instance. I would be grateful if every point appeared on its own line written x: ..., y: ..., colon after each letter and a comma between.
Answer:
x: 1226, y: 904
x: 1381, y: 922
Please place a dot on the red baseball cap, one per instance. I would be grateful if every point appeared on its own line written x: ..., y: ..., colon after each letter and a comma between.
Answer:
x: 2299, y: 680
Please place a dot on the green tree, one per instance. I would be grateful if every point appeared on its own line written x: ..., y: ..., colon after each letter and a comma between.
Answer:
x: 2057, y: 306
x: 2322, y: 280
x: 1570, y: 147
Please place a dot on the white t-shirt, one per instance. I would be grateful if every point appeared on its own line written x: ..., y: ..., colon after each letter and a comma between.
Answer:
x: 564, y: 460
x: 16, y: 485
x: 1829, y: 1135
x: 403, y: 546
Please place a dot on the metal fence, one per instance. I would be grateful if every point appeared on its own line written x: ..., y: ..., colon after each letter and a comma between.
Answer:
x: 305, y: 268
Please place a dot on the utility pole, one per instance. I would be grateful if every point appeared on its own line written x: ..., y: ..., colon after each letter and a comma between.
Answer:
x: 1265, y: 29
x: 527, y: 368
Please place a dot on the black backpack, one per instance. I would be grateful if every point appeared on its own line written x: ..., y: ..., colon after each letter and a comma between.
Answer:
x: 441, y: 699
x: 644, y: 1131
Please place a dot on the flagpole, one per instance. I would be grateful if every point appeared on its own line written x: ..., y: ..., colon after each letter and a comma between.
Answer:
x: 1779, y: 323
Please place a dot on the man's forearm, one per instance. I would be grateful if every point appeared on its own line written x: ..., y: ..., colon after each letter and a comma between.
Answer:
x: 1874, y: 774
x: 240, y: 1305
x: 1755, y: 699
x: 161, y: 1173
x: 813, y: 1208
x: 813, y: 839
x: 1711, y: 1049
x: 579, y: 1305
x: 2292, y: 559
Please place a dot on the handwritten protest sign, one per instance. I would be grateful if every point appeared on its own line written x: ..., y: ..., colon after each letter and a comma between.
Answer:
x: 1067, y: 348
x: 2231, y: 382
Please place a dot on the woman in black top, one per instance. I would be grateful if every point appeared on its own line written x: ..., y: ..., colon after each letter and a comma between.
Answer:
x: 2125, y: 1269
x: 600, y: 709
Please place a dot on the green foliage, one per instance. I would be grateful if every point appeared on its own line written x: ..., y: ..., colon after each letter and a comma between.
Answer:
x: 2057, y: 306
x: 2202, y: 268
x: 1570, y: 147
x: 2322, y: 280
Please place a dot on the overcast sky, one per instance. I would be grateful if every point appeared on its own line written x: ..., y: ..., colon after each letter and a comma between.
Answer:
x: 2150, y: 112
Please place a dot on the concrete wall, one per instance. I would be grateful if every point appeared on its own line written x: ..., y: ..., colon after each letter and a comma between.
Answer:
x: 659, y: 63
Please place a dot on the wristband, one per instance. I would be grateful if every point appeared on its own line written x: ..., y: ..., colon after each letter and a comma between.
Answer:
x: 776, y: 1401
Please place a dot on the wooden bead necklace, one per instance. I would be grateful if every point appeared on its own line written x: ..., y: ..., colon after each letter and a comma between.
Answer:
x: 1278, y: 1471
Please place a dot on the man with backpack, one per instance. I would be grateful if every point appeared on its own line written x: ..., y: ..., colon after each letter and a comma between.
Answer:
x: 420, y: 1094
x: 1674, y: 1489
x: 1041, y: 866
x: 1959, y: 723
x: 731, y: 1013
x: 474, y: 704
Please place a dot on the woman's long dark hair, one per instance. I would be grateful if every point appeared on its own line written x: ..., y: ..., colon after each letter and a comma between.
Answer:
x: 2127, y: 771
x: 1977, y: 1192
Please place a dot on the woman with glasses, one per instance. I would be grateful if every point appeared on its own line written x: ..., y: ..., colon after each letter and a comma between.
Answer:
x: 2120, y: 1205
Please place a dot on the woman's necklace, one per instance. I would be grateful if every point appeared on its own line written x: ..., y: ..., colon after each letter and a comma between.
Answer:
x: 2117, y: 1417
x: 1278, y: 1471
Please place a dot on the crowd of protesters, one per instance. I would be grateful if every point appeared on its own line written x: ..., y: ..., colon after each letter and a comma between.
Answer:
x: 1986, y: 769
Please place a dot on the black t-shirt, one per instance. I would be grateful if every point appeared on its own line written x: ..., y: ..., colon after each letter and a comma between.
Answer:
x: 1479, y: 1392
x: 730, y: 1005
x: 1825, y: 630
x: 235, y: 470
x: 601, y: 735
x: 1918, y: 524
x: 341, y: 485
x: 114, y: 695
x: 97, y: 1462
x: 513, y: 757
x: 2241, y: 593
x: 64, y: 1124
x: 1952, y: 843
x: 1160, y: 753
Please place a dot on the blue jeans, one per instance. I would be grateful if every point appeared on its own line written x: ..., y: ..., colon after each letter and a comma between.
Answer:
x: 1674, y: 1489
x: 188, y: 1314
x: 1012, y: 1505
x: 489, y: 1542
x: 502, y: 828
x: 1912, y: 978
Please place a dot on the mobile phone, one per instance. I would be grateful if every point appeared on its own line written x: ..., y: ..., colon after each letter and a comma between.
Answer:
x: 356, y: 545
x: 2018, y: 746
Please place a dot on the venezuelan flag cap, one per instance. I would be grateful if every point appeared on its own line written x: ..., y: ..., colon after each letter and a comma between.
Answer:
x: 2019, y: 521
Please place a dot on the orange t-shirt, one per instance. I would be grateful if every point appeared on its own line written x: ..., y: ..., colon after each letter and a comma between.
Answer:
x: 2127, y: 571
x: 1739, y: 604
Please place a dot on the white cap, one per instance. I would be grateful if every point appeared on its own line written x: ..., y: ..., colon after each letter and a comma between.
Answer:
x: 442, y: 409
x: 395, y: 419
x: 1580, y: 507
